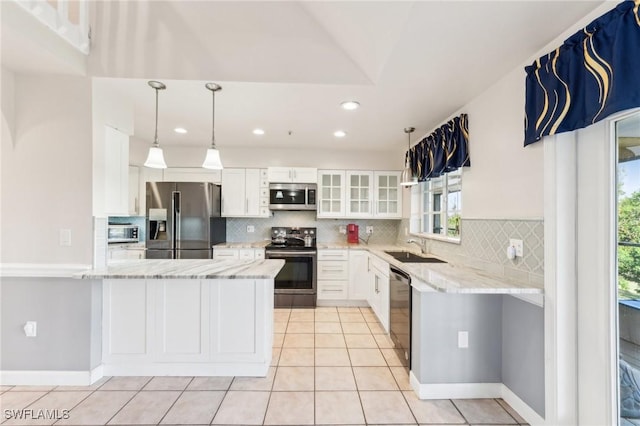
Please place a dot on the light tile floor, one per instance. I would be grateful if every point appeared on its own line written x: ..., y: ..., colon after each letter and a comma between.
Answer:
x: 330, y: 366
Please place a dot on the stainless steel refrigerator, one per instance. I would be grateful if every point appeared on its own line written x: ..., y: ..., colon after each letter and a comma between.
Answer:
x: 183, y: 220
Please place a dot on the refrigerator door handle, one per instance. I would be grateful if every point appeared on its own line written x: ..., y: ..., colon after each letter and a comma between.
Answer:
x: 177, y: 223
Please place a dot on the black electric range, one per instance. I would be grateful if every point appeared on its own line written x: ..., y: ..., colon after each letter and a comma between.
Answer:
x: 296, y: 283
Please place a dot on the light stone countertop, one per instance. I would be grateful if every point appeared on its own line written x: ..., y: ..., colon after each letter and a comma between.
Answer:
x: 448, y: 278
x: 186, y: 268
x: 250, y: 244
x: 443, y: 277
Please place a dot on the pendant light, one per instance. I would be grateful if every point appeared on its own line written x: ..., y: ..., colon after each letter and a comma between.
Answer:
x: 212, y: 160
x: 407, y: 178
x: 155, y: 159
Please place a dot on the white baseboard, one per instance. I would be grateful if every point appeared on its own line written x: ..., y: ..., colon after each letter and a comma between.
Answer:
x: 342, y: 303
x: 187, y: 369
x: 455, y: 390
x: 475, y: 390
x: 96, y: 374
x: 521, y: 407
x: 49, y: 378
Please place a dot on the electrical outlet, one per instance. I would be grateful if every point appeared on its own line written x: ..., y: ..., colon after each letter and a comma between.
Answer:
x: 463, y: 339
x: 342, y: 229
x: 30, y: 329
x: 65, y: 237
x: 369, y: 229
x: 518, y: 245
x: 251, y: 228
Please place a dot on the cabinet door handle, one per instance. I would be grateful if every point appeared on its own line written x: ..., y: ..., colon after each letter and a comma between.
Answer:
x: 295, y: 174
x: 246, y: 206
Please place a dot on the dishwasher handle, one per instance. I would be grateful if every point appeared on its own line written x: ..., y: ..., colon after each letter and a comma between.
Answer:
x: 399, y: 274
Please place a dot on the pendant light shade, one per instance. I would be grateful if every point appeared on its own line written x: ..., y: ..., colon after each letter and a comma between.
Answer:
x: 155, y: 159
x: 212, y: 160
x: 407, y: 178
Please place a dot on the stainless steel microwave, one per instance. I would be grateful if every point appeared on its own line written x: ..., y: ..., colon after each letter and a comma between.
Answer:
x: 292, y: 196
x: 122, y: 233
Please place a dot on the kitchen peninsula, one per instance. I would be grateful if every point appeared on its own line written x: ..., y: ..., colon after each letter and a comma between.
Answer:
x: 187, y: 317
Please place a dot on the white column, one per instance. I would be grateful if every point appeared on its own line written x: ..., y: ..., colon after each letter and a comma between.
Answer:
x: 560, y: 280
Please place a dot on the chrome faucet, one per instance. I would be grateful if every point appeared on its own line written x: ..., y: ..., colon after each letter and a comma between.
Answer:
x: 419, y: 244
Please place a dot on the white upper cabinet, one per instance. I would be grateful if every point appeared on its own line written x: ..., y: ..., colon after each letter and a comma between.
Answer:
x: 116, y: 172
x: 134, y: 191
x: 292, y: 174
x: 354, y: 194
x: 245, y: 193
x: 388, y: 195
x: 331, y: 193
x: 359, y: 194
x: 191, y: 174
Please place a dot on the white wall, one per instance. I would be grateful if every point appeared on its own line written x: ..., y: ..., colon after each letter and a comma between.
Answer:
x: 505, y: 180
x: 46, y: 169
x: 190, y: 156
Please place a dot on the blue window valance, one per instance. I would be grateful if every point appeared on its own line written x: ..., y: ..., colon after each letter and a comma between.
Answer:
x: 443, y: 151
x: 595, y: 73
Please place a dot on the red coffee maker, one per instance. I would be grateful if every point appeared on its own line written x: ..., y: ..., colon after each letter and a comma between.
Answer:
x: 352, y: 233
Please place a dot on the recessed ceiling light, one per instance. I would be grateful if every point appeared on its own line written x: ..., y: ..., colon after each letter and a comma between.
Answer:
x: 181, y: 130
x: 350, y: 105
x: 258, y: 132
x: 339, y: 133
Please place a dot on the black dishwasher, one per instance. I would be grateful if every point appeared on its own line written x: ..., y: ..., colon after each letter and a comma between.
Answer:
x: 400, y: 313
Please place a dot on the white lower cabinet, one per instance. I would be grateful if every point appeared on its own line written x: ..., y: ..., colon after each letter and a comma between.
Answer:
x: 238, y: 253
x: 379, y: 290
x: 127, y: 312
x: 333, y: 274
x: 182, y: 320
x: 237, y: 321
x: 358, y: 275
x: 187, y: 327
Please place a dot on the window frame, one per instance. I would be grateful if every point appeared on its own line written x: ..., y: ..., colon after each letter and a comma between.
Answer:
x: 423, y: 194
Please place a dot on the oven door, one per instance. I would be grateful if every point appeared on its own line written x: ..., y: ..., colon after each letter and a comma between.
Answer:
x: 298, y: 275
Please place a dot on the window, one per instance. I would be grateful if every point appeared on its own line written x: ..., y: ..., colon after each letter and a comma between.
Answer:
x: 439, y: 203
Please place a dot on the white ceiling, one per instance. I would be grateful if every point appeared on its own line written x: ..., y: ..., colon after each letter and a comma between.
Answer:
x: 285, y: 66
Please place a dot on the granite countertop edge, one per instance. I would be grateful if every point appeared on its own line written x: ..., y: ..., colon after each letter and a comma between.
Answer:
x: 186, y: 269
x: 443, y: 278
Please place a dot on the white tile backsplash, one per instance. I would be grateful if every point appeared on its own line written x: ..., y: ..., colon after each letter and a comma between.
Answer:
x: 384, y: 231
x: 483, y: 245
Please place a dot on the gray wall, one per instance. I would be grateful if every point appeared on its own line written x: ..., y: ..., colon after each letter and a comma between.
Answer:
x: 436, y: 320
x: 523, y: 351
x: 68, y: 313
x: 506, y: 342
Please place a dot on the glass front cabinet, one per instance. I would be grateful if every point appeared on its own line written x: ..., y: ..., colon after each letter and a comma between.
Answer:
x: 359, y: 194
x: 331, y: 193
x: 388, y: 194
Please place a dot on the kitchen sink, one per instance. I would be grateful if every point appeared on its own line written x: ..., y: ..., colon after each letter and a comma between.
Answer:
x: 408, y: 257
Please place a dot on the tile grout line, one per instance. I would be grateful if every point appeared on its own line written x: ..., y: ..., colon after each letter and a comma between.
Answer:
x: 275, y: 373
x: 79, y: 402
x: 506, y: 411
x: 128, y: 401
x: 176, y: 400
